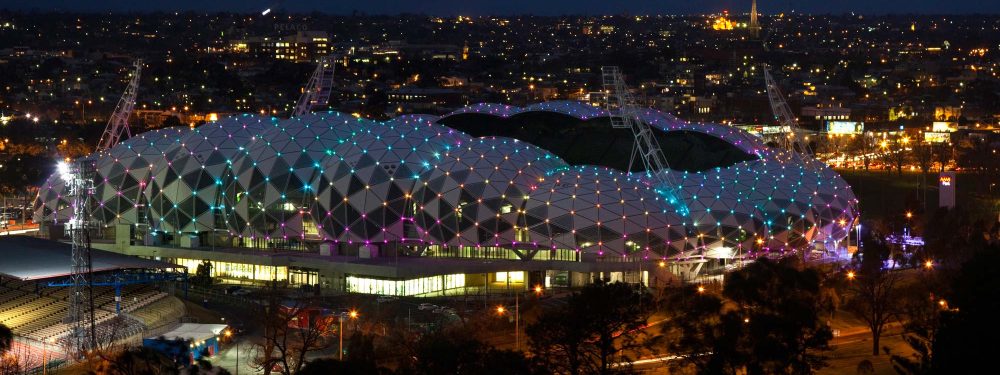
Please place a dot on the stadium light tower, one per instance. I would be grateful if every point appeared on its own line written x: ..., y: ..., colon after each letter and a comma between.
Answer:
x: 317, y: 91
x: 793, y: 140
x: 79, y: 178
x: 118, y: 123
x: 624, y: 114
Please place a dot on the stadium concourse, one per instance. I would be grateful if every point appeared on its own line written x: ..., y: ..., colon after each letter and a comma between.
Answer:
x: 34, y: 295
x: 487, y: 198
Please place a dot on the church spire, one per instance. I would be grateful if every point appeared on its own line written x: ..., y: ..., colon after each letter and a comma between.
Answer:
x: 754, y: 25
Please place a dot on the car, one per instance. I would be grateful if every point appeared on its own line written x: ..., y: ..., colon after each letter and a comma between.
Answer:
x: 384, y: 299
x: 342, y: 313
x: 237, y: 290
x: 426, y: 306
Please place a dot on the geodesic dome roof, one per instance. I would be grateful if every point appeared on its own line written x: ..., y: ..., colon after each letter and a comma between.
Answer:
x: 417, y: 180
x: 473, y: 194
x: 52, y: 204
x: 268, y: 192
x: 123, y: 172
x: 598, y: 210
x: 364, y: 193
x: 183, y: 190
x: 766, y: 199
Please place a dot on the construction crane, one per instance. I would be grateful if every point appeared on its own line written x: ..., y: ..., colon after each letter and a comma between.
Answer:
x: 793, y: 140
x: 79, y: 178
x: 118, y: 123
x: 624, y: 112
x: 317, y: 91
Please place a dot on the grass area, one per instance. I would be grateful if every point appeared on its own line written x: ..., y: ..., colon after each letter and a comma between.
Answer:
x: 844, y: 357
x: 200, y: 314
x: 884, y: 195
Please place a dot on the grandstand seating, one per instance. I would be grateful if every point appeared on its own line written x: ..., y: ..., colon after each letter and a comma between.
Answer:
x: 40, y: 314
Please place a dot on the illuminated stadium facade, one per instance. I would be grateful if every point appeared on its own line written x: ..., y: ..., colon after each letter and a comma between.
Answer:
x: 414, y: 204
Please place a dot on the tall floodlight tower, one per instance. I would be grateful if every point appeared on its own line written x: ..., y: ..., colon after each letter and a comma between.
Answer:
x: 79, y: 178
x: 118, y: 123
x: 793, y: 138
x: 624, y: 112
x: 317, y: 91
x: 754, y: 24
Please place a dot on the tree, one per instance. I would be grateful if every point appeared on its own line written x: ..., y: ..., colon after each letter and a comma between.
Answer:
x: 456, y: 352
x: 923, y: 154
x: 952, y: 237
x: 894, y: 152
x: 957, y: 335
x: 700, y: 333
x: 766, y: 321
x: 292, y: 330
x: 867, y: 147
x: 606, y: 323
x: 942, y: 154
x: 965, y: 341
x: 137, y: 361
x: 919, y: 334
x: 203, y: 274
x: 780, y: 303
x: 874, y: 289
x: 6, y: 339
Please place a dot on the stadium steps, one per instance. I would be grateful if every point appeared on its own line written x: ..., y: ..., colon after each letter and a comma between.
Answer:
x: 40, y: 316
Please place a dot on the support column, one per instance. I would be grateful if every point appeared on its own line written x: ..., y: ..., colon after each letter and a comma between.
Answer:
x: 118, y: 298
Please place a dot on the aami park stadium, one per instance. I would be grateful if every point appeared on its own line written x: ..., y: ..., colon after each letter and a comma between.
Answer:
x: 488, y: 197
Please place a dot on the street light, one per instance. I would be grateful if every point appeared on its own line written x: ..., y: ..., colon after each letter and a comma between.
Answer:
x: 501, y: 310
x: 353, y: 314
x: 701, y: 289
x: 929, y: 264
x: 850, y: 275
x: 229, y: 334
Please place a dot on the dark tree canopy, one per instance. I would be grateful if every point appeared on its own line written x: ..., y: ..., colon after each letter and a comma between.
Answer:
x: 966, y: 341
x: 6, y: 339
x: 596, y: 328
x: 455, y: 352
x: 765, y: 322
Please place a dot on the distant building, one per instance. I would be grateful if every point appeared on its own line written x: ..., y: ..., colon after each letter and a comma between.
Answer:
x: 303, y: 46
x: 824, y: 112
x: 412, y: 98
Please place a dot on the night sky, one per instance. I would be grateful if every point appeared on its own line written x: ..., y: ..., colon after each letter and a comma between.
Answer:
x: 508, y: 7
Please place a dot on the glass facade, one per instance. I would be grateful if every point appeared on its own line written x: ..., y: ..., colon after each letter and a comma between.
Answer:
x: 495, y: 252
x: 411, y: 287
x: 239, y: 271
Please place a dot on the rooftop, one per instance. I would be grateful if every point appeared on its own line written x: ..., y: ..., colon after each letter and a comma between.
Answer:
x: 29, y: 258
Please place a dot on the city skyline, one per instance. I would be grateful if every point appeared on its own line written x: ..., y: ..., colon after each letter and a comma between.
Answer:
x: 516, y: 7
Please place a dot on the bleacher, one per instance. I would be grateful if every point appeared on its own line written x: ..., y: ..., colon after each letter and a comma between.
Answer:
x: 39, y: 314
x: 162, y: 312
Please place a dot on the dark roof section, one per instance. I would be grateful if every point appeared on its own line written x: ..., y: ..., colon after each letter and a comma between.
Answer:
x: 29, y: 258
x: 595, y: 142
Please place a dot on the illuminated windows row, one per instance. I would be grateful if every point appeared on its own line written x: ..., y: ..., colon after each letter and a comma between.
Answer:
x: 412, y: 287
x: 238, y: 271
